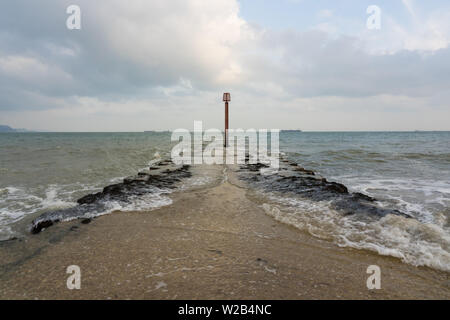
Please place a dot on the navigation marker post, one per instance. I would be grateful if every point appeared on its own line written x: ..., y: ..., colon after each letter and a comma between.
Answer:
x: 226, y: 98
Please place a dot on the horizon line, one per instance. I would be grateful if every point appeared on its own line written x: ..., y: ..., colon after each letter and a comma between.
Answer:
x: 171, y: 130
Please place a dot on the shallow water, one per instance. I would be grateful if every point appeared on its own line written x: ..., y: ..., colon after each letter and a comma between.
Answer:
x: 409, y: 172
x: 48, y: 171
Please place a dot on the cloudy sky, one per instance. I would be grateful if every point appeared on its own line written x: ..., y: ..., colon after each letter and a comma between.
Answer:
x: 161, y: 64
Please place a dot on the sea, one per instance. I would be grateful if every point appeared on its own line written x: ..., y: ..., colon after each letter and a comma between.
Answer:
x: 407, y: 172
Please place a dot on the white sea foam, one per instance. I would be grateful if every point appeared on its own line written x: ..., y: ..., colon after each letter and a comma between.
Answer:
x: 18, y: 203
x: 412, y: 195
x: 413, y: 241
x: 156, y: 199
x: 6, y: 232
x: 66, y: 167
x: 53, y: 201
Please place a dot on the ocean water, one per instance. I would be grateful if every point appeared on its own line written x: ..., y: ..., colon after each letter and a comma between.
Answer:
x: 409, y: 170
x: 405, y: 171
x: 41, y: 172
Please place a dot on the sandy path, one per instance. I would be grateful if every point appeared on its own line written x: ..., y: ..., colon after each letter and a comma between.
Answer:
x: 212, y: 243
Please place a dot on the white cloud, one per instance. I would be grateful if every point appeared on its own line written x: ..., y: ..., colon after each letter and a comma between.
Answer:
x: 30, y: 69
x: 382, y: 112
x: 426, y: 31
x: 162, y: 64
x: 179, y: 38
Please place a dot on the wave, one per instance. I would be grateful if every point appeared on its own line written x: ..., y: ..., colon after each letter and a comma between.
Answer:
x: 145, y: 191
x: 355, y: 218
x: 422, y: 199
x: 154, y: 198
x: 414, y: 242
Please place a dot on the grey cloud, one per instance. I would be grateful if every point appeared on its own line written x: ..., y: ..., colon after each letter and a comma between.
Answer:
x: 314, y: 64
x: 132, y: 50
x: 122, y: 50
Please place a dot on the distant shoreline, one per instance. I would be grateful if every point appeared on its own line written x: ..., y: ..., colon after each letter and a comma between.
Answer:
x: 285, y: 131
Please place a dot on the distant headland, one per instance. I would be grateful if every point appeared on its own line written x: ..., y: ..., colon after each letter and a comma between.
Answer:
x: 5, y: 128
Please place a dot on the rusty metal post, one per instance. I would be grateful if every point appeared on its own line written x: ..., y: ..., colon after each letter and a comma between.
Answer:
x: 226, y: 98
x: 226, y: 124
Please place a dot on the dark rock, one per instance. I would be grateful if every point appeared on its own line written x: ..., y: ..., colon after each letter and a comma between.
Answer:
x: 256, y: 167
x: 41, y: 225
x: 86, y: 221
x: 336, y: 187
x: 128, y: 180
x: 131, y: 187
x: 90, y: 198
x: 316, y: 188
x: 10, y: 239
x: 113, y: 189
x: 399, y: 213
x: 361, y: 196
x: 309, y: 172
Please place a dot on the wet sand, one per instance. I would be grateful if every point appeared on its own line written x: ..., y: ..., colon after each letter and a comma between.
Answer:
x: 211, y: 243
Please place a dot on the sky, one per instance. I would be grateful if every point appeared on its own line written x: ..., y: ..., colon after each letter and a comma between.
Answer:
x: 289, y: 64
